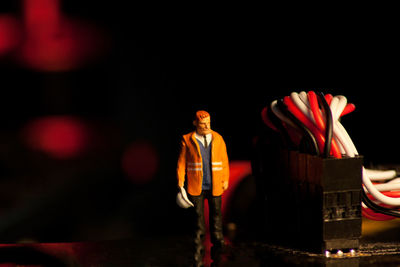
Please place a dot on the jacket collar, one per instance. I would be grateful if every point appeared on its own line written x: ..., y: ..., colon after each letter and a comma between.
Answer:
x: 193, y: 138
x: 193, y: 135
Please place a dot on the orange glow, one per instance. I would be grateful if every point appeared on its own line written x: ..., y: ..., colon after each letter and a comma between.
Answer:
x: 140, y: 162
x: 59, y: 136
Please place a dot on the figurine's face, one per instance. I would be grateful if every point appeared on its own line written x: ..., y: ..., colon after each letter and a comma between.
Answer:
x: 203, y: 126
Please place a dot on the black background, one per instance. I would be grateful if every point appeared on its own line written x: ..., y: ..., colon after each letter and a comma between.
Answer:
x: 163, y: 63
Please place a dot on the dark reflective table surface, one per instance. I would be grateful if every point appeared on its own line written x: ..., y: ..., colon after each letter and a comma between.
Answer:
x: 379, y: 247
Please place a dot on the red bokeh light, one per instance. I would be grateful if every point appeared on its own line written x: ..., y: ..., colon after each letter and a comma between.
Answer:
x: 54, y: 42
x: 140, y: 162
x: 58, y: 136
x: 10, y: 33
x: 42, y: 17
x: 46, y: 40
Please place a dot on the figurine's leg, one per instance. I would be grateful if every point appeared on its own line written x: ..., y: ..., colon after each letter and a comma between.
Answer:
x: 200, y: 231
x: 217, y: 237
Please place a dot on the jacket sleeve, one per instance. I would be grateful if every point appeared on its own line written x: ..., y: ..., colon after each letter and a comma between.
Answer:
x: 181, y: 166
x: 225, y: 163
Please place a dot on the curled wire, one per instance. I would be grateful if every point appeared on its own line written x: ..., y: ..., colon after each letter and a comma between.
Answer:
x: 328, y: 138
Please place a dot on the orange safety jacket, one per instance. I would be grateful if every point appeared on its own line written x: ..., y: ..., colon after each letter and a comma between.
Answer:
x: 190, y: 165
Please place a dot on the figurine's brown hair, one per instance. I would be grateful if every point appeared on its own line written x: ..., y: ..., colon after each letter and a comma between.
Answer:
x: 201, y: 114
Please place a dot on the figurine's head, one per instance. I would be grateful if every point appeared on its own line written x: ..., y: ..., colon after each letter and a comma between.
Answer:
x: 202, y: 122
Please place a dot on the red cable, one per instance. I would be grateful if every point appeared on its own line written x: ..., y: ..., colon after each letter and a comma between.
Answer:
x: 370, y: 214
x: 300, y: 116
x: 367, y: 214
x: 378, y: 216
x: 387, y: 193
x: 314, y: 105
x: 266, y: 120
x: 348, y: 109
x: 293, y: 134
x: 391, y: 193
x: 318, y: 135
x: 328, y: 98
x: 312, y: 98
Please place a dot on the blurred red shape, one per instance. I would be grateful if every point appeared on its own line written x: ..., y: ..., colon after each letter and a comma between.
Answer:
x: 10, y: 33
x: 54, y: 42
x: 140, y: 162
x: 58, y: 136
x: 42, y: 17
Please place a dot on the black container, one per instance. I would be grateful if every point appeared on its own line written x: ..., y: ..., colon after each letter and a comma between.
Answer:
x: 311, y: 203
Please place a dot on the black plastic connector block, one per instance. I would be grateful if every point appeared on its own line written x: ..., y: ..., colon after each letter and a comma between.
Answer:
x: 311, y: 203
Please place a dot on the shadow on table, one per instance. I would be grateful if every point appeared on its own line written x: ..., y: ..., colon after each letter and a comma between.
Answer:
x: 28, y: 256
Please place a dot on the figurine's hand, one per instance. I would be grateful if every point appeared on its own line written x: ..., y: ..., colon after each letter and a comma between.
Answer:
x: 182, y: 199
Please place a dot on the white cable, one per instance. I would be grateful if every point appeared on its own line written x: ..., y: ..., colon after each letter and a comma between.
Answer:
x: 341, y: 147
x: 337, y: 105
x: 342, y: 142
x: 303, y: 96
x: 302, y: 106
x: 395, y: 180
x: 336, y: 134
x: 340, y: 107
x: 301, y: 101
x: 375, y: 192
x: 343, y: 131
x: 279, y: 114
x: 333, y: 106
x: 387, y: 186
x: 379, y: 175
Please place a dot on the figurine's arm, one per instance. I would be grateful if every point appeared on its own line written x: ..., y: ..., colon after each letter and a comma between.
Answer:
x: 181, y: 166
x: 225, y: 164
x: 182, y: 199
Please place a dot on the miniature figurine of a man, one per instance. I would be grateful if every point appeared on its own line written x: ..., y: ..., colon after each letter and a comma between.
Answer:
x: 203, y: 162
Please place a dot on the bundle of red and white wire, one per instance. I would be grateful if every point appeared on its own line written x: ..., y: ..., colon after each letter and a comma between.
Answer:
x: 381, y: 186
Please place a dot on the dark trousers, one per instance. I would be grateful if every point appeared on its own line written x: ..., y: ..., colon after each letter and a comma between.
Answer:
x: 215, y: 215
